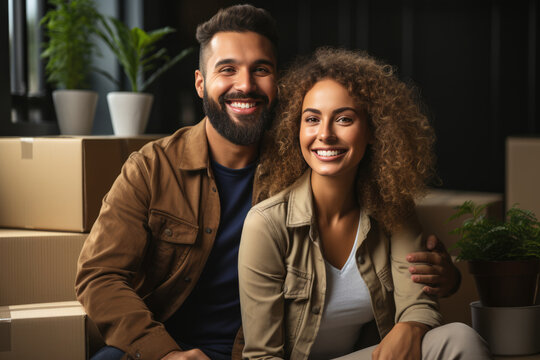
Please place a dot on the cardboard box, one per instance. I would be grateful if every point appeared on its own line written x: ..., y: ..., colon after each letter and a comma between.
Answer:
x: 523, y: 173
x: 438, y: 206
x: 46, y: 331
x: 38, y: 266
x: 57, y: 183
x: 433, y: 212
x: 456, y: 308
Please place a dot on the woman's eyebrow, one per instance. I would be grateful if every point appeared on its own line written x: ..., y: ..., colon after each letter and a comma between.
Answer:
x: 311, y: 110
x: 342, y: 109
x: 336, y: 111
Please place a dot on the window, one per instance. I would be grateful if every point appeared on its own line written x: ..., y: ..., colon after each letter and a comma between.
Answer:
x: 31, y: 109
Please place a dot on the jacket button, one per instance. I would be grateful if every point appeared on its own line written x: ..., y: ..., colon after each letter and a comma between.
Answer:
x: 208, y: 230
x: 187, y: 279
x: 316, y: 310
x: 168, y: 232
x: 137, y: 355
x: 214, y: 189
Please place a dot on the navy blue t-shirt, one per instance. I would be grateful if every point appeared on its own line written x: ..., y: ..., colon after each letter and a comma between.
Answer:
x: 210, y: 317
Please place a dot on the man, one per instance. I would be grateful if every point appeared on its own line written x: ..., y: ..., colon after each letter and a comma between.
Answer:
x: 158, y: 272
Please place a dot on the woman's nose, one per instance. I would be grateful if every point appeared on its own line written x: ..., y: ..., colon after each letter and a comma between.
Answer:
x: 326, y: 133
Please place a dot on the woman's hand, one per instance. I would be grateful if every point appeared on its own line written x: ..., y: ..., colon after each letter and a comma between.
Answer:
x: 438, y: 272
x: 403, y: 342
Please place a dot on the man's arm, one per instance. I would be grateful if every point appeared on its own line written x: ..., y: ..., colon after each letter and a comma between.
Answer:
x: 436, y: 269
x: 109, y: 263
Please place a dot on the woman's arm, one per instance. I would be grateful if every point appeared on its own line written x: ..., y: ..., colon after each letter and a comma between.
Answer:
x: 412, y: 303
x: 416, y: 311
x: 261, y: 274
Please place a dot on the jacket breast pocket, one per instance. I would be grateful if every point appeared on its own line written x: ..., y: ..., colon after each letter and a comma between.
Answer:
x: 171, y: 241
x: 296, y: 289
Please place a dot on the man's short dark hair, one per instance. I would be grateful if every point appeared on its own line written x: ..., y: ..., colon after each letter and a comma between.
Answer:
x: 237, y: 18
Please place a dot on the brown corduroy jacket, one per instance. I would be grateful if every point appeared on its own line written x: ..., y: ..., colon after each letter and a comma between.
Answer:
x: 150, y: 243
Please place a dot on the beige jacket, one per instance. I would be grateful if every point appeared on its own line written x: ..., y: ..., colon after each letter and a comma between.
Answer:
x: 150, y: 243
x: 283, y: 282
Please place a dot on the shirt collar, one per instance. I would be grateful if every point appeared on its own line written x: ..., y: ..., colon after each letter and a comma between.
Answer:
x: 195, y: 152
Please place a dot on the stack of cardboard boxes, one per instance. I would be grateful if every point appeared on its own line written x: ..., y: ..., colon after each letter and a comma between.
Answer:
x: 50, y: 195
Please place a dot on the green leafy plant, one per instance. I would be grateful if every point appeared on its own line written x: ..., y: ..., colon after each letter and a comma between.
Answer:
x: 136, y: 50
x: 69, y: 48
x: 482, y: 238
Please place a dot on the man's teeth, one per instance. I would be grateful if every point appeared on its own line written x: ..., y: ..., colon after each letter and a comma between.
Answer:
x: 328, y: 152
x: 242, y: 105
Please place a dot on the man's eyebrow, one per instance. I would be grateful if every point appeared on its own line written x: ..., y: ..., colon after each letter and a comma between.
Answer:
x: 265, y: 62
x: 225, y: 61
x: 233, y: 61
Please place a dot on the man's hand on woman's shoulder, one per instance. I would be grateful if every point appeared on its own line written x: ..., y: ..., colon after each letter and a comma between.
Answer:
x: 435, y: 269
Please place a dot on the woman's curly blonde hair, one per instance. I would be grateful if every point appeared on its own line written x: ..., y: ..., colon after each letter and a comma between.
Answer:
x: 400, y: 160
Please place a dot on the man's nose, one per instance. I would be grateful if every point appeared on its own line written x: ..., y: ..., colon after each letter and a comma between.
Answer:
x: 245, y: 82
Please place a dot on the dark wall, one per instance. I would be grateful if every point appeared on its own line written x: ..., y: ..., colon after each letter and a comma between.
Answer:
x: 5, y: 97
x: 475, y: 62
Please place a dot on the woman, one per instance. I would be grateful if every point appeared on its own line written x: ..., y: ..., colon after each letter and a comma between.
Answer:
x: 323, y: 260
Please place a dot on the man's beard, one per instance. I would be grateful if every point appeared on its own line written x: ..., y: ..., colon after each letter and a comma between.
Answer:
x: 249, y: 129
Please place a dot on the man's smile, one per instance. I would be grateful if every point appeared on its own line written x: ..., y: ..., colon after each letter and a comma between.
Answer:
x: 242, y: 106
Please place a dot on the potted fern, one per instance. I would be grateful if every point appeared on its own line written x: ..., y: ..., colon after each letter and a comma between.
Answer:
x: 503, y: 256
x: 68, y: 54
x: 143, y: 62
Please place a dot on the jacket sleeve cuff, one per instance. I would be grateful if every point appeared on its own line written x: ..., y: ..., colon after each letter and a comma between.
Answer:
x: 152, y: 347
x: 425, y: 315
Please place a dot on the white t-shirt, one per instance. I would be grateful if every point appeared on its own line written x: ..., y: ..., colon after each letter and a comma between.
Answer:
x: 347, y: 308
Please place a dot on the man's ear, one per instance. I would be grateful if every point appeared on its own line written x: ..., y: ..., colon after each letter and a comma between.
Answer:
x: 199, y: 83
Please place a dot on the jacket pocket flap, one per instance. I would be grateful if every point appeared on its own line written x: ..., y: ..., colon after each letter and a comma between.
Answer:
x: 172, y: 229
x: 296, y: 284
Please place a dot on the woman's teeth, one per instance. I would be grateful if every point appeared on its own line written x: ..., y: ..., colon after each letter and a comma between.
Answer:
x: 328, y: 152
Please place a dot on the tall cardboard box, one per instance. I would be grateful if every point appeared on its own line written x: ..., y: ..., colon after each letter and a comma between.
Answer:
x: 46, y: 331
x: 57, y: 183
x: 38, y: 266
x: 433, y: 212
x: 523, y: 173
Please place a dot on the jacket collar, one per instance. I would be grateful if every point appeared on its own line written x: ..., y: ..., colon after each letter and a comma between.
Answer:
x: 195, y: 151
x: 300, y: 211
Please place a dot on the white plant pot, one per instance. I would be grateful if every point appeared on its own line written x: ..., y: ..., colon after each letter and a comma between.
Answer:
x: 129, y: 112
x: 75, y: 110
x: 508, y: 330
